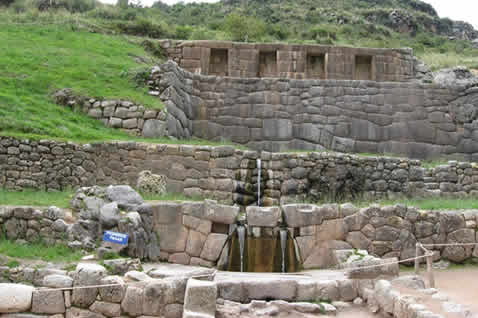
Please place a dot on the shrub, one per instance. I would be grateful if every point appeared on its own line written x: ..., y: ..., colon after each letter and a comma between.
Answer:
x: 200, y: 33
x: 244, y: 28
x: 183, y: 32
x: 153, y: 48
x: 19, y: 6
x: 278, y: 31
x: 143, y: 27
x: 6, y: 3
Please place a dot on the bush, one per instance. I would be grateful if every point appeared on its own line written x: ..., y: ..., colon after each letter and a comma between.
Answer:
x: 74, y: 6
x: 153, y: 48
x: 113, y: 13
x: 278, y: 31
x: 19, y: 6
x: 200, y: 33
x: 183, y: 32
x: 244, y: 28
x: 143, y: 27
x: 6, y: 3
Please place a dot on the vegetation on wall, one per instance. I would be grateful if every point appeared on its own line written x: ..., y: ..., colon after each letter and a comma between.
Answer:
x: 105, y: 51
x: 365, y: 23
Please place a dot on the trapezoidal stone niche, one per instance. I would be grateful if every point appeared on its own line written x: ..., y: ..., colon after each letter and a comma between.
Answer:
x: 249, y: 60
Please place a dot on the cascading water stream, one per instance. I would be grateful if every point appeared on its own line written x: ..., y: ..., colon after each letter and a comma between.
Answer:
x: 241, y: 234
x: 283, y: 245
x: 259, y: 163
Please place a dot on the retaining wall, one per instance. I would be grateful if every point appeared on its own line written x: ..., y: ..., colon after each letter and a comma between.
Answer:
x: 417, y: 120
x: 248, y: 60
x: 199, y: 233
x: 127, y: 116
x: 226, y: 174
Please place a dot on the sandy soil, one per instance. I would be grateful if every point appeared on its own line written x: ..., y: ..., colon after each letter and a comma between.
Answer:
x: 356, y: 312
x: 460, y: 284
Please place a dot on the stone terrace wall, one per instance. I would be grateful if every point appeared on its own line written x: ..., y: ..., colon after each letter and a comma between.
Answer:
x: 291, y: 61
x: 227, y: 174
x: 54, y: 226
x: 416, y: 120
x: 390, y: 231
x: 129, y: 117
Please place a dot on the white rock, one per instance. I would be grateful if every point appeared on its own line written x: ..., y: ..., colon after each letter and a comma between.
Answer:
x: 200, y: 299
x: 137, y: 276
x: 440, y: 297
x: 454, y: 308
x: 328, y: 309
x: 358, y: 301
x: 57, y: 281
x: 15, y: 298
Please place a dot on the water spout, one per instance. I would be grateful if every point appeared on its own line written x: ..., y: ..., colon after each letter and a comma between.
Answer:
x: 259, y: 162
x: 283, y: 245
x: 241, y: 234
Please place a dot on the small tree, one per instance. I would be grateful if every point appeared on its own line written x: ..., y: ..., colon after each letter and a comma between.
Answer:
x: 6, y: 3
x: 123, y: 4
x: 244, y: 28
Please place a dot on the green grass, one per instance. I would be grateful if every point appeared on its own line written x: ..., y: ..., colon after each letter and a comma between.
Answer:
x: 35, y: 198
x: 38, y: 60
x: 170, y: 197
x: 49, y: 253
x: 429, y: 164
x: 428, y: 204
x: 62, y: 199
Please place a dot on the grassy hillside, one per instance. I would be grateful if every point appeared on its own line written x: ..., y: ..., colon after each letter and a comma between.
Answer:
x: 37, y: 60
x: 94, y: 49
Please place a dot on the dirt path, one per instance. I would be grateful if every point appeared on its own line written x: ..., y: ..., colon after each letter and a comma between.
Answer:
x: 461, y: 285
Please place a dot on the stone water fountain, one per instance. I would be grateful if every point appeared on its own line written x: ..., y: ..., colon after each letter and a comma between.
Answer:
x: 262, y: 243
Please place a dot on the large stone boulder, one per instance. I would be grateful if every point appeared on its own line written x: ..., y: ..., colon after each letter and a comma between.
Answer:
x: 132, y: 303
x: 474, y: 44
x: 48, y: 302
x: 109, y: 215
x: 200, y: 299
x: 263, y: 216
x: 57, y: 281
x: 455, y: 76
x: 15, y: 298
x: 154, y: 128
x: 126, y: 197
x: 87, y: 274
x: 219, y: 213
x: 213, y: 246
x: 112, y: 294
x: 371, y: 268
x: 299, y: 215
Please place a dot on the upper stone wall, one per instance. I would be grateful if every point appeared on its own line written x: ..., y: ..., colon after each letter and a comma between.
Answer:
x: 248, y: 60
x: 416, y: 120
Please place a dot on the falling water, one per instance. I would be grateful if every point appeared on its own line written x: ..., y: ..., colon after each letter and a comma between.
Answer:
x: 283, y: 245
x: 259, y: 182
x: 241, y: 234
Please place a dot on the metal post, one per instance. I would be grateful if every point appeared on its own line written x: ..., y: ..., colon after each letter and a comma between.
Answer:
x: 417, y: 260
x: 431, y: 278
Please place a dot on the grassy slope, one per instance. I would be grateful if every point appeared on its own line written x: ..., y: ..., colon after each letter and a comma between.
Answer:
x: 37, y: 60
x: 62, y: 199
x: 49, y: 253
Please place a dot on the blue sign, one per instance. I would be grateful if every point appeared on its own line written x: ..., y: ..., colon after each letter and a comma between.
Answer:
x: 113, y: 237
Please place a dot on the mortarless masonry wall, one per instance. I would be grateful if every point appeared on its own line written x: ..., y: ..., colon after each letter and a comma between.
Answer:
x: 273, y: 114
x: 227, y: 174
